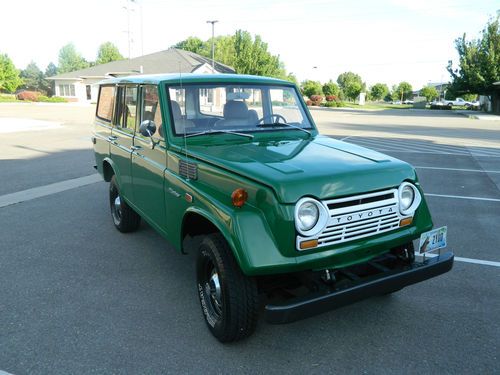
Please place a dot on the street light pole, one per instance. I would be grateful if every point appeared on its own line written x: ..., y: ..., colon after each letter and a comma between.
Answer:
x: 213, y: 43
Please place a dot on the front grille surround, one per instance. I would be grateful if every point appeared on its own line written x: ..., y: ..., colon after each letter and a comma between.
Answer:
x: 356, y: 217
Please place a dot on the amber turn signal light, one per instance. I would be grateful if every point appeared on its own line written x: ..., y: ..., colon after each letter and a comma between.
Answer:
x: 406, y: 221
x: 308, y: 244
x: 239, y: 197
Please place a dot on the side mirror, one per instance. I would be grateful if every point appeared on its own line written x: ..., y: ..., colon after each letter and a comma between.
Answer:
x: 147, y: 128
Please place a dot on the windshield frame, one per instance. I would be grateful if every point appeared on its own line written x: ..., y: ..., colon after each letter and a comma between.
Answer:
x: 301, y: 107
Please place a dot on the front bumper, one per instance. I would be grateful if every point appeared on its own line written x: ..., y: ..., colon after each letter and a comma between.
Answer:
x: 386, y: 281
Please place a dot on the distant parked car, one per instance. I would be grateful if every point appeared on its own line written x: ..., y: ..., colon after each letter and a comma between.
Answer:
x: 439, y: 105
x: 396, y: 102
x: 457, y: 102
x: 408, y: 101
x: 475, y: 105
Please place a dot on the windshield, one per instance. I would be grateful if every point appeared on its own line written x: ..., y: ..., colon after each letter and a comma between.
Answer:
x: 225, y: 108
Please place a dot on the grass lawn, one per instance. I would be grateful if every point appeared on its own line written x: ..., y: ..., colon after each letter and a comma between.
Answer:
x: 7, y: 98
x: 377, y: 106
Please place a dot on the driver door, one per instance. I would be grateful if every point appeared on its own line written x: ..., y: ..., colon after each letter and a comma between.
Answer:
x: 149, y: 161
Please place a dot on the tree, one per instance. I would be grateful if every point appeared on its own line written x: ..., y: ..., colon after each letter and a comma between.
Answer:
x: 9, y: 75
x: 192, y: 44
x: 50, y: 71
x: 379, y: 91
x: 331, y: 88
x: 108, y: 52
x: 246, y: 54
x: 32, y: 77
x: 70, y: 60
x: 402, y: 91
x: 310, y: 88
x: 479, y: 61
x: 429, y: 92
x: 351, y: 84
x: 292, y: 78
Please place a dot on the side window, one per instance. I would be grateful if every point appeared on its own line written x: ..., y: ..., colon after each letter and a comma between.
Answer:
x: 151, y: 108
x: 130, y: 107
x: 126, y: 107
x: 106, y: 103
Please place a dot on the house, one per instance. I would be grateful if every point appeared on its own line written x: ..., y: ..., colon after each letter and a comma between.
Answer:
x: 81, y: 85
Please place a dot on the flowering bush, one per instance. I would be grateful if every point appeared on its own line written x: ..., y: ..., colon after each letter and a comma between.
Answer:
x: 31, y: 96
x: 316, y: 99
x: 331, y: 98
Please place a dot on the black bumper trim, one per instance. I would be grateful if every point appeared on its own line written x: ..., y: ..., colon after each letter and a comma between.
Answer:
x: 320, y: 302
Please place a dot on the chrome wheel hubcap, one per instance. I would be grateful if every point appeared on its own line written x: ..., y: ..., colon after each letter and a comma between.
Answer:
x: 213, y: 289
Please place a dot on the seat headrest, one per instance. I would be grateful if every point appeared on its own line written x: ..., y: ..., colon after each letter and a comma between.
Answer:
x: 235, y: 110
x: 176, y: 110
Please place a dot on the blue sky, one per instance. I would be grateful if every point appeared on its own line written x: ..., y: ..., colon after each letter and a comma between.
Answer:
x: 384, y: 41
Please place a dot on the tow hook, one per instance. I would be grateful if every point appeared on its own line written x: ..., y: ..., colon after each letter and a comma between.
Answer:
x: 328, y: 277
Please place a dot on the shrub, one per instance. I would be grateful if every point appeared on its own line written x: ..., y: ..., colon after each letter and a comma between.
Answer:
x: 309, y: 103
x: 331, y: 98
x: 316, y: 99
x: 31, y: 96
x: 7, y: 98
x: 53, y: 99
x: 334, y: 104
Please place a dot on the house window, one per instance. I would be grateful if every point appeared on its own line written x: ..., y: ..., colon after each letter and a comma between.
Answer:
x: 66, y: 90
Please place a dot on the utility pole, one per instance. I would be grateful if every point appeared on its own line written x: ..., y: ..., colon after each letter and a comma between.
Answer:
x: 213, y: 44
x: 127, y: 7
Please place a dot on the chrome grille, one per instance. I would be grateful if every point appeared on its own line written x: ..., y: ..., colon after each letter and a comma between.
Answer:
x: 360, y: 216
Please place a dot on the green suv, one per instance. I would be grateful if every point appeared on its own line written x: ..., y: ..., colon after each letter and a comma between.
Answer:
x: 282, y: 218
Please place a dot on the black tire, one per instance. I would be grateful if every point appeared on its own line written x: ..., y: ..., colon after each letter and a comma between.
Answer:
x: 124, y: 217
x: 229, y: 299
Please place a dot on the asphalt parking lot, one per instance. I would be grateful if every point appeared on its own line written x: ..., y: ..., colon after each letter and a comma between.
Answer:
x: 78, y: 297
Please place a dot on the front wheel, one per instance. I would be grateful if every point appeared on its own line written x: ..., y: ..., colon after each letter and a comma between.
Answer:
x: 229, y: 299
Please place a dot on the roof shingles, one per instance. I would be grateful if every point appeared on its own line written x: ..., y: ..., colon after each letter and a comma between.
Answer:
x: 172, y: 60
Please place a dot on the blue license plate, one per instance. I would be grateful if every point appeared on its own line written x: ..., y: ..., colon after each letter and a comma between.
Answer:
x: 432, y: 240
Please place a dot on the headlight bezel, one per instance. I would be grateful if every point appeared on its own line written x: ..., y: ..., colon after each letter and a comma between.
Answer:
x: 417, y: 199
x: 321, y: 221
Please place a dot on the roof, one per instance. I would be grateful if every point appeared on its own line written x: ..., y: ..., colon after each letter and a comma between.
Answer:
x: 176, y: 78
x: 172, y: 60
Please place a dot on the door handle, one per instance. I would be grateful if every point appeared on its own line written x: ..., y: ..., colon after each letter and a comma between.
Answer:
x: 135, y: 148
x: 112, y: 138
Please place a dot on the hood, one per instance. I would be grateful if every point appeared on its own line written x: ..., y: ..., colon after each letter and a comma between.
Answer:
x: 321, y: 167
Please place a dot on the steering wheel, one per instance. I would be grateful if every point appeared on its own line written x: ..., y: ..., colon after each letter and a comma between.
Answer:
x: 275, y: 119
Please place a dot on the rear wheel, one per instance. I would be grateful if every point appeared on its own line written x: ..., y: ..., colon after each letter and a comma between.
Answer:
x: 124, y: 217
x: 229, y: 299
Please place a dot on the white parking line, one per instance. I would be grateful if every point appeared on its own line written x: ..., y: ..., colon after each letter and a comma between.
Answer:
x: 467, y: 260
x: 462, y: 197
x: 458, y: 169
x: 4, y: 373
x: 42, y: 191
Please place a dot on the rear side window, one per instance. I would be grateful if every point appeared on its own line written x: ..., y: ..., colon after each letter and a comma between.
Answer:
x: 106, y: 103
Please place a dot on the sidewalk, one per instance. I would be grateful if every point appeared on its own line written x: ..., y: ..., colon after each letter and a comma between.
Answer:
x: 478, y: 115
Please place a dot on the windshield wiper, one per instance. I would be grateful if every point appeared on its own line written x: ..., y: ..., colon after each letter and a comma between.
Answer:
x: 210, y: 132
x: 275, y: 124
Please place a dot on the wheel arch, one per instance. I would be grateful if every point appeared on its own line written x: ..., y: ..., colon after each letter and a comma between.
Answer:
x: 108, y: 169
x: 197, y: 222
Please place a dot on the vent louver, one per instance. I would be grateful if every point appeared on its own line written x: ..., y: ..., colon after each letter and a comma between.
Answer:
x: 188, y: 169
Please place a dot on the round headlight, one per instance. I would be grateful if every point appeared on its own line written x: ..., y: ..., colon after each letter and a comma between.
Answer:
x: 409, y: 198
x: 311, y: 216
x: 308, y: 215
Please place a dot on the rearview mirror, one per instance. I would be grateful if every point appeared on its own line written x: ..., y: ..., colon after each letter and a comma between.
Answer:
x: 147, y: 128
